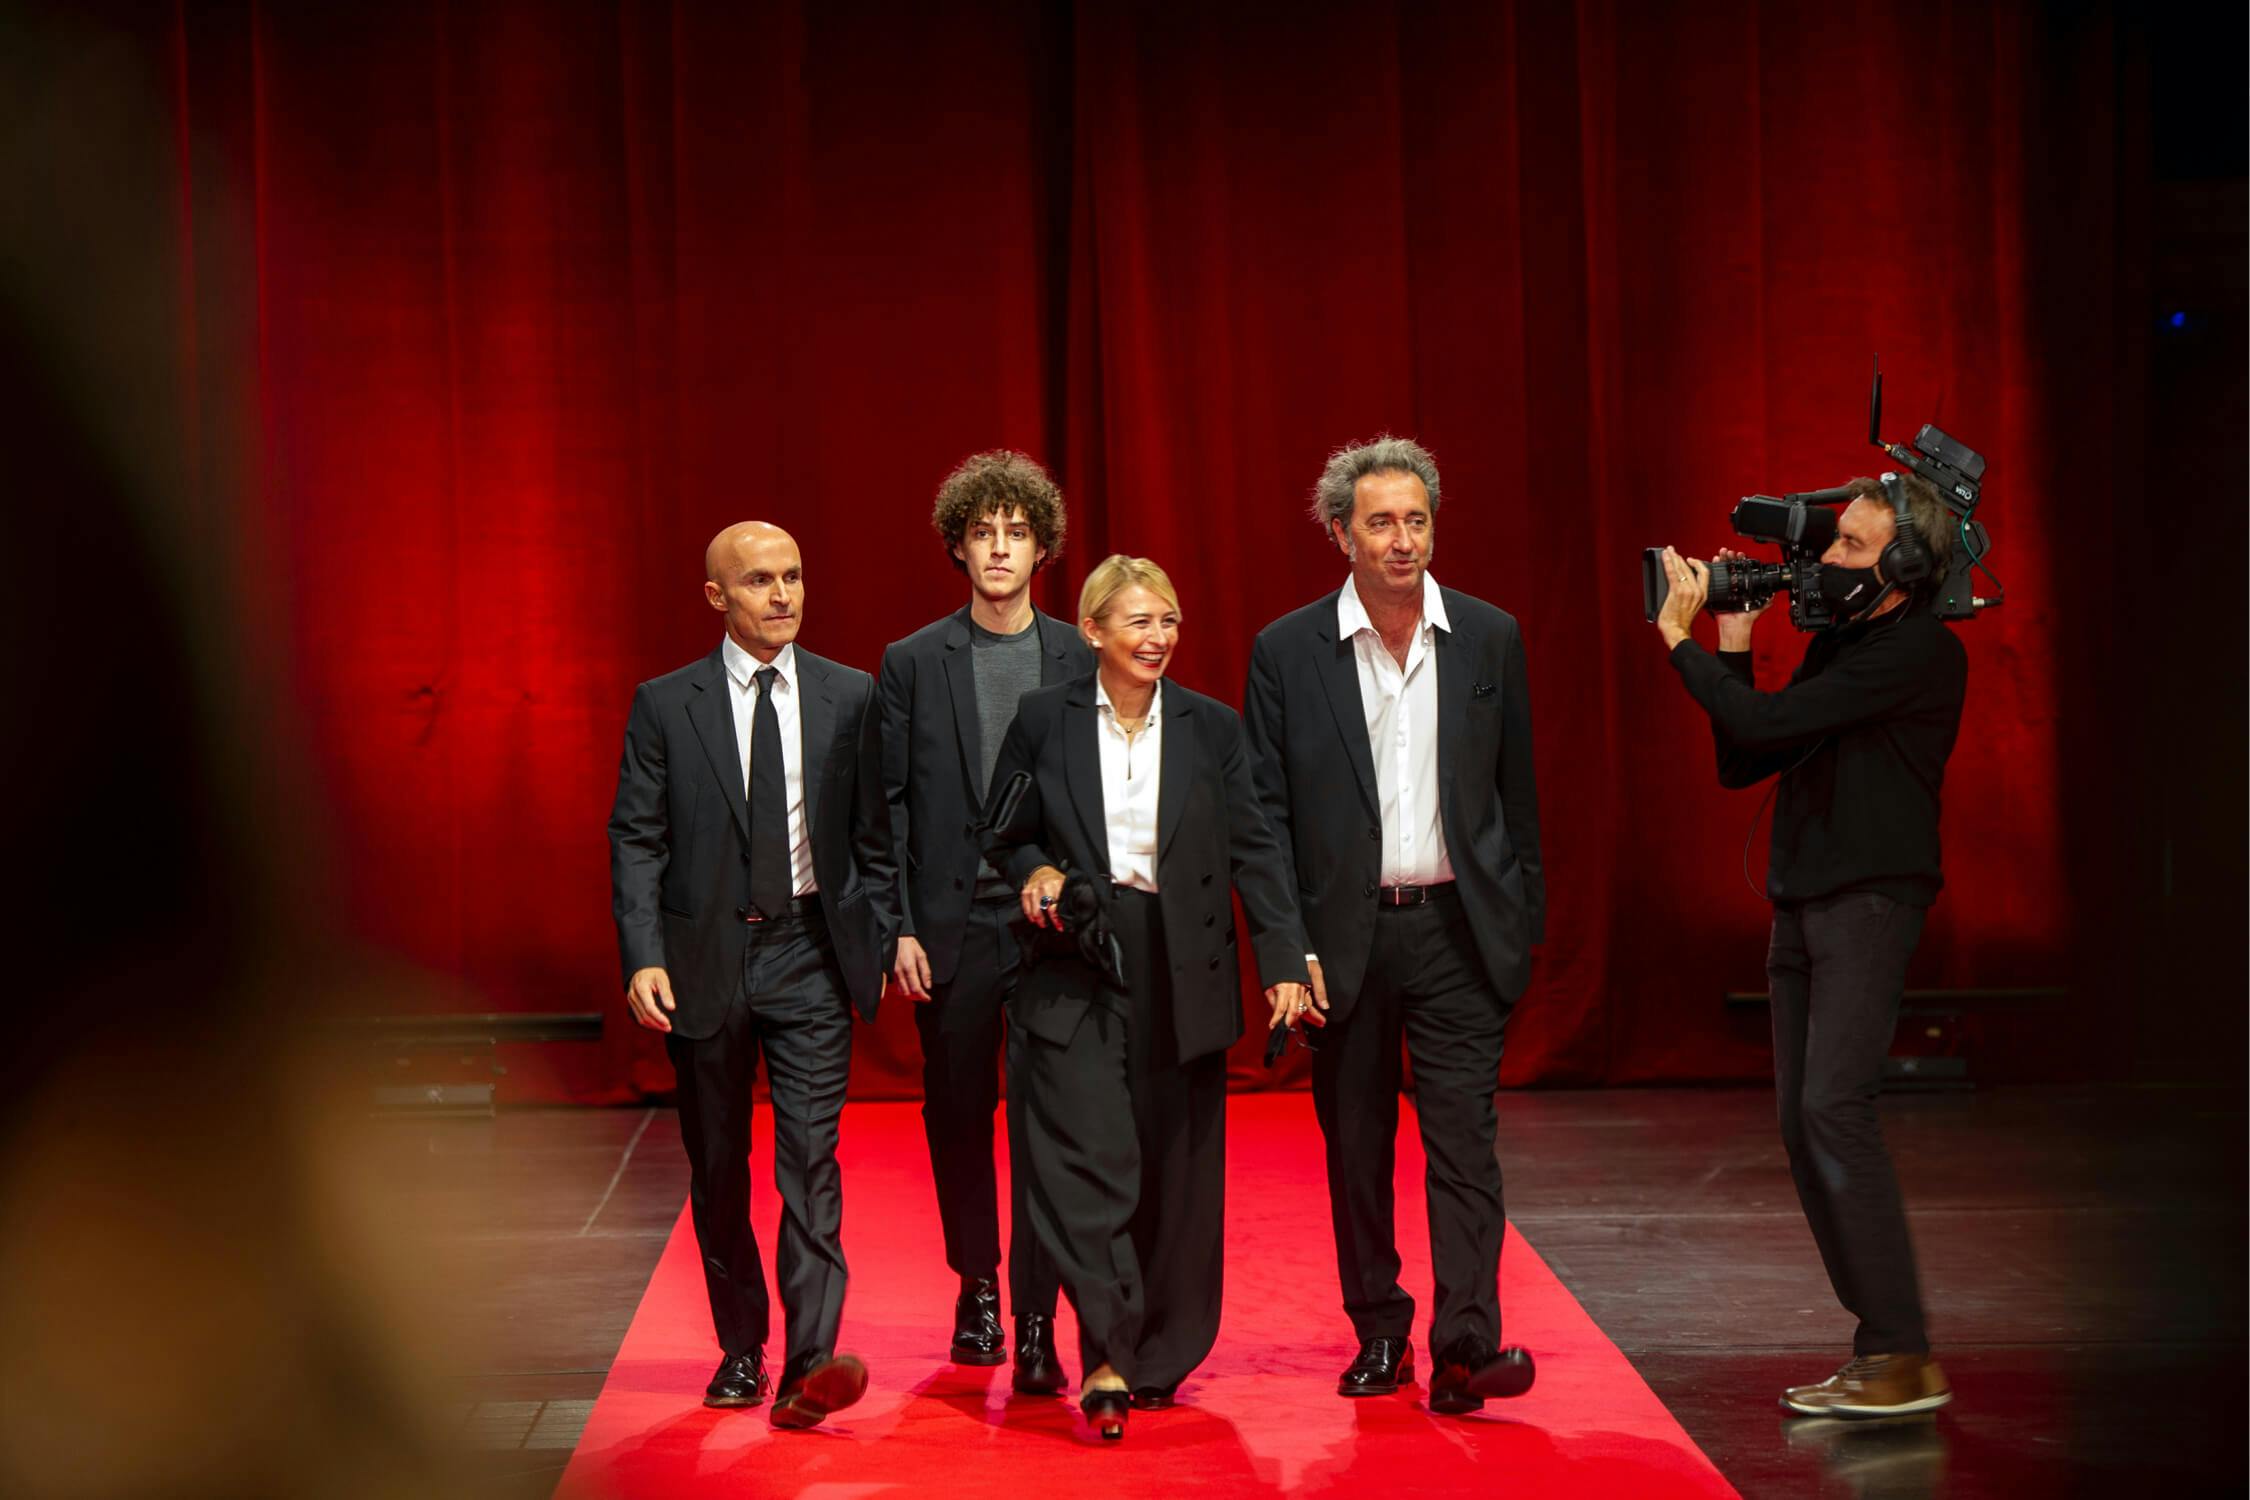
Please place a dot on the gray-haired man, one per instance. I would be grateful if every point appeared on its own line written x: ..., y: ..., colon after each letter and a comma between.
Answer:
x: 1391, y: 725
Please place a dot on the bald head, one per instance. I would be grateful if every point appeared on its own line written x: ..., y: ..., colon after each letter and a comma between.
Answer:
x: 728, y: 547
x: 753, y: 575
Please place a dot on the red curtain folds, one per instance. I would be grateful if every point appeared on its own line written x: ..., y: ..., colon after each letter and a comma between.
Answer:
x: 537, y: 297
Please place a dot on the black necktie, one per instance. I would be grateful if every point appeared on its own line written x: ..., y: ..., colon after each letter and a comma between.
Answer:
x: 770, y: 884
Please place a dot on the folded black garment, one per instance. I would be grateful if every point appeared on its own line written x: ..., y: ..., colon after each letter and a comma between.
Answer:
x: 1084, y: 911
x: 1277, y: 1042
x: 1085, y: 919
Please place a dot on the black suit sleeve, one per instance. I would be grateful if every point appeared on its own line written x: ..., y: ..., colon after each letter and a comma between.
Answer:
x: 1014, y: 850
x: 639, y: 846
x: 894, y: 694
x: 1265, y: 726
x: 1263, y: 879
x: 1519, y: 789
x: 872, y: 848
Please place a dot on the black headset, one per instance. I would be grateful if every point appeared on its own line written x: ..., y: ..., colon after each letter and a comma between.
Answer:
x: 1906, y: 559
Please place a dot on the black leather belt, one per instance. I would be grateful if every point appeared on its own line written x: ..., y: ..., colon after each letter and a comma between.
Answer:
x: 1415, y: 895
x: 800, y: 907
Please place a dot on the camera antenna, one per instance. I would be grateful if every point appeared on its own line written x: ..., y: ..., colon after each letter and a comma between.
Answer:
x: 1875, y: 406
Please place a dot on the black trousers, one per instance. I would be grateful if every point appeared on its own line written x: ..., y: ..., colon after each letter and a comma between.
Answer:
x: 961, y: 1026
x: 1128, y: 1155
x: 1837, y: 967
x: 793, y: 1009
x: 1425, y: 981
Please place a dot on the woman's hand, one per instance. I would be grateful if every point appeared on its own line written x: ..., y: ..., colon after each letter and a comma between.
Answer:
x: 1291, y: 1003
x: 1042, y: 897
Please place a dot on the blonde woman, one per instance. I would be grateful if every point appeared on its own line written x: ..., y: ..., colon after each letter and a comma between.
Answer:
x: 1124, y: 802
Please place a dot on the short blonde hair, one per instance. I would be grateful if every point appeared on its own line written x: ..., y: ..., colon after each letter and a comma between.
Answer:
x: 1116, y: 573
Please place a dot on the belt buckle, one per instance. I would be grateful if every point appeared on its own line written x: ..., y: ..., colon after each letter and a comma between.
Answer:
x: 1406, y: 895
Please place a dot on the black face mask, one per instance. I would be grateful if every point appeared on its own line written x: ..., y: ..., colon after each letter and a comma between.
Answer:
x: 1850, y: 592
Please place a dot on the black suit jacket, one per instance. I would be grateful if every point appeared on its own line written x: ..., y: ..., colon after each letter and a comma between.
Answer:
x: 679, y: 846
x: 1210, y: 836
x: 932, y: 757
x: 1316, y: 779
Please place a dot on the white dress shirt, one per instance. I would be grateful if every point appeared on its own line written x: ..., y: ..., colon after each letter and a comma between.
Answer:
x: 1130, y: 769
x: 1401, y: 704
x: 741, y: 670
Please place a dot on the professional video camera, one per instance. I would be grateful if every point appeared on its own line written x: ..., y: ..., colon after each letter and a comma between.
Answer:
x: 1804, y: 526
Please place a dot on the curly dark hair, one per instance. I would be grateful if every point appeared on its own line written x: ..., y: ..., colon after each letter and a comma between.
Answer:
x: 999, y: 483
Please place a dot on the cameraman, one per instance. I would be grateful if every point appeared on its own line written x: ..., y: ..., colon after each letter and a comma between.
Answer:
x: 1859, y: 739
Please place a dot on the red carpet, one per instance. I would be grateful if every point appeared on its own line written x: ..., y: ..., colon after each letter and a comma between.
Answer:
x: 1260, y: 1417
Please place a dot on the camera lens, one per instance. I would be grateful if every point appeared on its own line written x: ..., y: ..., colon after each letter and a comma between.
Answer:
x: 1737, y: 586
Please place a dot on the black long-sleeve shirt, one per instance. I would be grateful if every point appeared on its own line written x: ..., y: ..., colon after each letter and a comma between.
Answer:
x: 1872, y: 712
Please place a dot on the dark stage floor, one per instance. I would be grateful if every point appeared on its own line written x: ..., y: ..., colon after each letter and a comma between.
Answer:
x: 2083, y: 1252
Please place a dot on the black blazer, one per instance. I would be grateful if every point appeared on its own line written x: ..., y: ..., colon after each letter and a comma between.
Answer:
x: 1316, y: 779
x: 1210, y: 834
x: 932, y: 756
x: 679, y: 835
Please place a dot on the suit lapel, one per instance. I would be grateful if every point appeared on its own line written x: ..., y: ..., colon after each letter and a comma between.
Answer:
x: 1174, y: 771
x: 961, y: 681
x: 711, y: 713
x: 816, y: 726
x: 1339, y: 673
x: 1054, y: 649
x: 1082, y: 767
x: 1452, y: 659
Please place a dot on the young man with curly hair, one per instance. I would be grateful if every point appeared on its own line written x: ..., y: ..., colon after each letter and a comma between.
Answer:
x: 948, y: 693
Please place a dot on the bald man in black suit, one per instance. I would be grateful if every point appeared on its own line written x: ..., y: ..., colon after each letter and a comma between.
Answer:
x: 755, y: 898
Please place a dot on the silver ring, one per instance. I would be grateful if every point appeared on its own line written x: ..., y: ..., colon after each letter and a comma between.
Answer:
x: 1045, y: 902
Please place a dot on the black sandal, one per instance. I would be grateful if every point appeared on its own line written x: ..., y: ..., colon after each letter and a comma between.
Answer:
x: 1106, y: 1409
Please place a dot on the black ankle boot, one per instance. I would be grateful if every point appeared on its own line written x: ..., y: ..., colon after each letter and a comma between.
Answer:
x: 977, y: 1339
x: 1039, y: 1371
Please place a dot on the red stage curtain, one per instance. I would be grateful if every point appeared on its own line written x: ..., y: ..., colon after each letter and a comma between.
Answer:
x: 533, y: 298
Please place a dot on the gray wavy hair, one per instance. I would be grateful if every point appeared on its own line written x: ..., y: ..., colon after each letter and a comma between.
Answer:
x: 1347, y: 466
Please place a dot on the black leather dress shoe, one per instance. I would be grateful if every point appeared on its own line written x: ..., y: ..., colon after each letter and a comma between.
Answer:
x: 977, y: 1339
x: 739, y: 1381
x: 829, y: 1386
x: 1039, y: 1370
x: 1382, y: 1367
x: 1469, y: 1371
x: 1155, y: 1397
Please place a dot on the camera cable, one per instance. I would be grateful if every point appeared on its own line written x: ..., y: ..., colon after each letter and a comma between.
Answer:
x: 1765, y: 802
x: 1976, y: 556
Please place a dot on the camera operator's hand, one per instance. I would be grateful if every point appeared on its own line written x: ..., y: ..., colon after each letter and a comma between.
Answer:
x: 1735, y: 625
x: 1691, y: 585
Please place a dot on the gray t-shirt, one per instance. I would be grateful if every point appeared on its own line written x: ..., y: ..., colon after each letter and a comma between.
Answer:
x: 1004, y: 667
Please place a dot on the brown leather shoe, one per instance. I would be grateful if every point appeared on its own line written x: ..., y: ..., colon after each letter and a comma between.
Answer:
x: 1874, y: 1385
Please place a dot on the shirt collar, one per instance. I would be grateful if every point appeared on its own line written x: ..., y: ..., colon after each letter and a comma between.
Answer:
x: 1155, y: 700
x: 1351, y: 612
x: 741, y: 665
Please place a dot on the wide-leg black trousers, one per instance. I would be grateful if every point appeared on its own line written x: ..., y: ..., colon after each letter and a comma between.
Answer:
x: 1127, y: 1147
